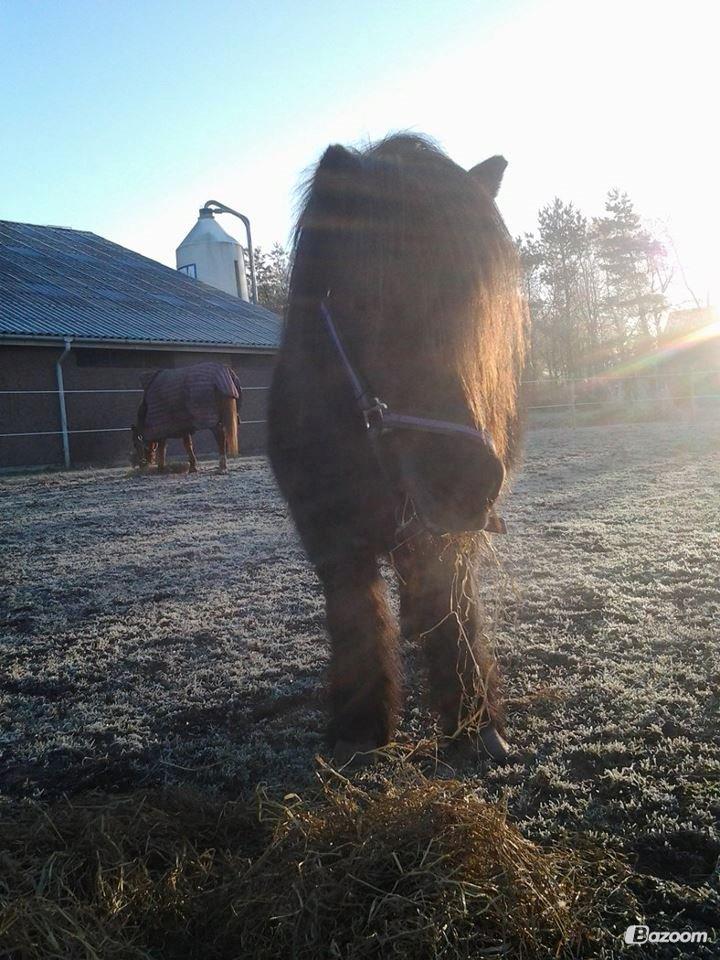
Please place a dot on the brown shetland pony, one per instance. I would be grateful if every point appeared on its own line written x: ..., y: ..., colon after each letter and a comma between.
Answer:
x: 410, y: 256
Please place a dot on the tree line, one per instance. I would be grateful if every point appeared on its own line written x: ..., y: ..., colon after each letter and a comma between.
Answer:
x: 597, y: 287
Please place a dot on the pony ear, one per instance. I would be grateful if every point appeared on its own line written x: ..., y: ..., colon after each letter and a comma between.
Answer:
x: 490, y: 173
x: 338, y: 159
x: 329, y: 191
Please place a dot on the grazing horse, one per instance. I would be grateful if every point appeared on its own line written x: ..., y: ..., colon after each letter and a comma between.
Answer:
x: 177, y: 403
x: 393, y: 421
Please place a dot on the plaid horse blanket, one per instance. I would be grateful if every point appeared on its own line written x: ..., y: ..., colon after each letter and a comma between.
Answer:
x: 184, y: 400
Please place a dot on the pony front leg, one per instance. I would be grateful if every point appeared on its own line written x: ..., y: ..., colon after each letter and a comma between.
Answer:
x: 364, y: 670
x: 189, y: 449
x: 438, y: 604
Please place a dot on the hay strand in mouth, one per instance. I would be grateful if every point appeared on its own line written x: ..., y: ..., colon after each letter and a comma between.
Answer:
x: 421, y: 870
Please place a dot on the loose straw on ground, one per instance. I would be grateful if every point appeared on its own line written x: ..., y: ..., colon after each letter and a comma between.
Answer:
x: 425, y: 870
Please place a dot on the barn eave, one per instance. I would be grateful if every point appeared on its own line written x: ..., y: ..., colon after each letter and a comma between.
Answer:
x: 180, y: 346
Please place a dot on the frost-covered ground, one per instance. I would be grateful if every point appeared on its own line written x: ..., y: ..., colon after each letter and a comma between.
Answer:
x: 169, y: 628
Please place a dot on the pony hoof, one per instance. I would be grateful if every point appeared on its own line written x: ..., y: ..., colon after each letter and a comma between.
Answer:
x: 496, y: 747
x: 353, y: 753
x: 192, y: 468
x: 487, y: 744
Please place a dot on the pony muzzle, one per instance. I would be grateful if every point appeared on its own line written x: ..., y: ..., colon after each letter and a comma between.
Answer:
x: 453, y: 482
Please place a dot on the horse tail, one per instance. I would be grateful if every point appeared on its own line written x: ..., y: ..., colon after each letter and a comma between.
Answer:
x: 229, y: 418
x: 236, y: 380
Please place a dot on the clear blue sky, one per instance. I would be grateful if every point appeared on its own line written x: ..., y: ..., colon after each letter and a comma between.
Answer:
x: 124, y: 117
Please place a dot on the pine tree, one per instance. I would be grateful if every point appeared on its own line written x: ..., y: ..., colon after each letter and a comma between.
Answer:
x: 556, y: 263
x: 631, y: 263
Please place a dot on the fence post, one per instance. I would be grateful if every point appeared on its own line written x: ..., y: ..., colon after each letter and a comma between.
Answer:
x: 656, y: 398
x: 61, y: 399
x: 693, y: 404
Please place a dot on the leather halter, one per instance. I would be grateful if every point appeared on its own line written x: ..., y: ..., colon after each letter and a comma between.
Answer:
x: 379, y: 419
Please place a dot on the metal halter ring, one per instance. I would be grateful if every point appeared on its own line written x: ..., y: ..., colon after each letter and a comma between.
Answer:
x: 373, y: 415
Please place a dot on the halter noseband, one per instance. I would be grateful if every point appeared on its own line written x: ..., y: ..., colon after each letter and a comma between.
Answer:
x: 379, y: 419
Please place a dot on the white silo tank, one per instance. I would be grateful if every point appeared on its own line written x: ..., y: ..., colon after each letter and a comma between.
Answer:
x: 210, y: 254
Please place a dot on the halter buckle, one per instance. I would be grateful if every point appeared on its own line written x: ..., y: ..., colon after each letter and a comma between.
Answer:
x: 374, y: 414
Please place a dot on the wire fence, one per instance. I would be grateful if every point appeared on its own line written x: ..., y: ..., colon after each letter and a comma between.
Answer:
x: 103, y: 390
x: 612, y: 398
x: 585, y: 401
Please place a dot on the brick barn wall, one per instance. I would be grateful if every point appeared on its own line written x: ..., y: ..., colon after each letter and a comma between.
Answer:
x: 28, y: 368
x: 33, y: 368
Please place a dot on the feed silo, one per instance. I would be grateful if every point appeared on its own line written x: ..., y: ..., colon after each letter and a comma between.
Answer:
x: 210, y: 254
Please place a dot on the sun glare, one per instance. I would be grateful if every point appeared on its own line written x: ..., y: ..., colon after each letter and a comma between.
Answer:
x: 671, y: 347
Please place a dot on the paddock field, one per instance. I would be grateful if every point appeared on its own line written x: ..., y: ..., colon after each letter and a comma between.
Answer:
x: 168, y: 629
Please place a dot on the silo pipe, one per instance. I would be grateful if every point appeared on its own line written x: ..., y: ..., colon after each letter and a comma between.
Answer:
x: 61, y: 400
x: 214, y: 206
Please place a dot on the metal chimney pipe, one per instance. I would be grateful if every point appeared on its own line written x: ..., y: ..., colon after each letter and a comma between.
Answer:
x: 214, y: 206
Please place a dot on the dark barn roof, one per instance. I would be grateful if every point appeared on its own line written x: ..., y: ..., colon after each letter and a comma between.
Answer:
x: 57, y: 283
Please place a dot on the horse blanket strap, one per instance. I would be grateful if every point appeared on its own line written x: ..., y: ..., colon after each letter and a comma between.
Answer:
x: 182, y: 400
x: 379, y: 419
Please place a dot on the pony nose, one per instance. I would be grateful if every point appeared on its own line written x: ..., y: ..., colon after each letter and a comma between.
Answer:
x: 453, y: 482
x: 476, y: 488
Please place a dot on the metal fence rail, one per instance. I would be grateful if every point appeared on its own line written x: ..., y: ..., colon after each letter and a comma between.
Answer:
x: 98, y: 390
x: 56, y: 393
x: 660, y: 397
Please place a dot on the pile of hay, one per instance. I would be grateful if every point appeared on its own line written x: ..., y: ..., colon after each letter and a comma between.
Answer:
x: 419, y: 871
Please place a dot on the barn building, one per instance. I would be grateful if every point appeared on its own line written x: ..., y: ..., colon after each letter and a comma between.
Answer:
x: 83, y: 320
